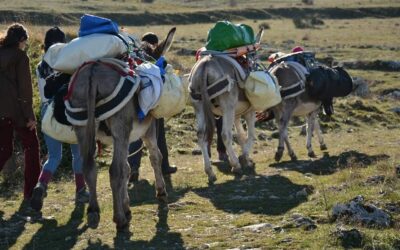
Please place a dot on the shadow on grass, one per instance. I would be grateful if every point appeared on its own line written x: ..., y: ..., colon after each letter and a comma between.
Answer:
x: 226, y: 169
x: 143, y: 192
x: 52, y: 236
x: 271, y: 195
x: 163, y: 239
x: 11, y: 229
x: 330, y: 164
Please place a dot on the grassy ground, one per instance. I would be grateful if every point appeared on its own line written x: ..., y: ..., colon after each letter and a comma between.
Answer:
x: 363, y: 138
x: 165, y: 6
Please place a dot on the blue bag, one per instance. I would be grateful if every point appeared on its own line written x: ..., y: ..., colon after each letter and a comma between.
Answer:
x: 94, y: 24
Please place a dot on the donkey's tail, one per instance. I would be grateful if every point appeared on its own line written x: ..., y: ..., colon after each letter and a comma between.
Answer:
x: 88, y: 147
x: 208, y: 114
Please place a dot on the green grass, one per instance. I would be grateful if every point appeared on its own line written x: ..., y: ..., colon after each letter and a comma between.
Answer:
x: 167, y: 6
x: 362, y: 137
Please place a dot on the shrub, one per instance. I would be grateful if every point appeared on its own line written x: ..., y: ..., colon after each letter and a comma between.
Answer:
x: 264, y: 25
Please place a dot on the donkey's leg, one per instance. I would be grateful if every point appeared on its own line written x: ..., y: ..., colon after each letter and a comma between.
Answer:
x: 226, y: 134
x: 310, y: 130
x: 202, y: 141
x: 250, y: 121
x: 322, y: 144
x: 283, y: 123
x: 90, y: 173
x: 241, y: 137
x: 120, y: 125
x: 150, y: 140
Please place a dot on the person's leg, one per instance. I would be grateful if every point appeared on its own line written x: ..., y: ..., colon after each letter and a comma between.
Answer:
x: 134, y: 160
x: 162, y: 145
x: 81, y: 195
x: 77, y: 167
x: 222, y: 156
x: 32, y: 159
x: 54, y: 151
x: 6, y: 140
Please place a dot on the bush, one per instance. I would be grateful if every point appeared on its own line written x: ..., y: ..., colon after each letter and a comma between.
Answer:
x: 264, y: 25
x: 308, y: 2
x: 307, y: 23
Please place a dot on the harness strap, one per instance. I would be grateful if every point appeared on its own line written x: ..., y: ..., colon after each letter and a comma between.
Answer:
x: 107, y: 63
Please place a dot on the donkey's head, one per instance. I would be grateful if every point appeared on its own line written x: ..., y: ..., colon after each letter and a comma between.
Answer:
x: 155, y: 49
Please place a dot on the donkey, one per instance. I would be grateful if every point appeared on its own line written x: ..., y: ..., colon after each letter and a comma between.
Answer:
x: 210, y: 70
x: 97, y: 81
x: 303, y: 104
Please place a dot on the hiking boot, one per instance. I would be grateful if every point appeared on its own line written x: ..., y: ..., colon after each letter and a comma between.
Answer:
x: 39, y: 192
x: 169, y: 170
x: 82, y: 196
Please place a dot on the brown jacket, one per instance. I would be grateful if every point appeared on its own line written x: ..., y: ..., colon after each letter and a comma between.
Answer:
x: 15, y: 86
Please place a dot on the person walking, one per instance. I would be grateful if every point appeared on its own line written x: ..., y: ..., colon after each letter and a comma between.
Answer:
x: 16, y: 104
x: 54, y: 147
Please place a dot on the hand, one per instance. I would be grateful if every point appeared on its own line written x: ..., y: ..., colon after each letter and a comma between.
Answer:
x: 31, y: 125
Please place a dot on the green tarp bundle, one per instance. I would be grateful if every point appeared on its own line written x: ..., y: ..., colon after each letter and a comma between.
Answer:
x: 225, y: 35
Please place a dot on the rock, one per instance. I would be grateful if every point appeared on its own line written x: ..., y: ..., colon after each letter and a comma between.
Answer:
x: 360, y: 87
x: 393, y: 207
x: 395, y: 94
x: 302, y: 193
x: 303, y: 222
x: 258, y: 227
x: 357, y: 212
x: 287, y: 240
x: 375, y: 179
x: 182, y: 151
x: 349, y: 238
x: 397, y: 171
x: 396, y: 110
x: 196, y: 151
x: 262, y: 136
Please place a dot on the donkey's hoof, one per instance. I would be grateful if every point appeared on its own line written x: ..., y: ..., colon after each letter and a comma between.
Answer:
x: 128, y: 215
x: 278, y: 156
x: 293, y: 157
x: 212, y: 179
x: 237, y: 171
x: 93, y: 220
x: 312, y: 154
x: 323, y: 147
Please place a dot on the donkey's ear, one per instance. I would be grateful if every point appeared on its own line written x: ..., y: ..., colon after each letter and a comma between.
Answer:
x: 259, y: 35
x: 164, y: 46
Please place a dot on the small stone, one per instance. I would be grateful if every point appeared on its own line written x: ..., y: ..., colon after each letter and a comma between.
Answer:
x: 397, y: 169
x: 377, y: 179
x: 302, y: 193
x: 258, y: 227
x: 262, y: 136
x: 349, y: 238
x: 196, y: 151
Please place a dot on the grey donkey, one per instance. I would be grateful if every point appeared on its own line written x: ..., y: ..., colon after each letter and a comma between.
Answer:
x: 209, y: 70
x: 300, y: 105
x: 97, y: 81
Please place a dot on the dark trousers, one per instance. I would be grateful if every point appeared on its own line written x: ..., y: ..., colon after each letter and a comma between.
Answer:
x: 134, y: 160
x: 31, y: 150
